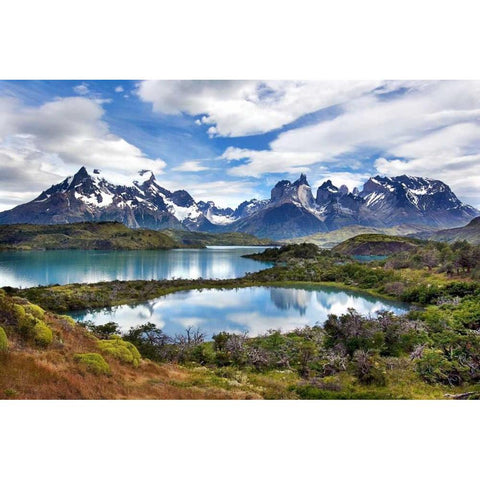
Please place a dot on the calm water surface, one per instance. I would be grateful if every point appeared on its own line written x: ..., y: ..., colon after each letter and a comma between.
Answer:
x: 252, y: 309
x: 29, y: 269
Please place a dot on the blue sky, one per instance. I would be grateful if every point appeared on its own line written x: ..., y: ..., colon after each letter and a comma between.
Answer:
x: 229, y: 141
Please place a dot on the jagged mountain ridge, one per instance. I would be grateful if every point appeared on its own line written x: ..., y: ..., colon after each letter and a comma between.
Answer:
x: 291, y: 211
x: 86, y: 197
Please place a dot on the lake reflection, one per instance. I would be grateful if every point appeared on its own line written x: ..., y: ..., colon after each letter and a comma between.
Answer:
x: 252, y: 309
x: 28, y: 269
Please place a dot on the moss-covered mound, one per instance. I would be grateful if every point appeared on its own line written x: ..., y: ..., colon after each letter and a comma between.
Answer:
x: 93, y: 363
x: 3, y: 341
x: 42, y: 334
x: 121, y: 350
x: 30, y: 323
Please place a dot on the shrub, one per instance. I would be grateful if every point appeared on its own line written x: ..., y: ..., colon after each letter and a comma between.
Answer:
x: 105, y: 331
x: 26, y: 324
x: 7, y: 311
x: 33, y: 328
x: 367, y: 369
x: 93, y: 363
x: 35, y: 311
x: 352, y: 331
x: 434, y: 367
x: 19, y: 313
x: 3, y: 341
x: 120, y: 349
x: 203, y: 354
x: 42, y: 334
x: 150, y: 341
x: 394, y: 288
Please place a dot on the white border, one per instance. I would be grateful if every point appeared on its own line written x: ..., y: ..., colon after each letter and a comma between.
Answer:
x: 248, y: 39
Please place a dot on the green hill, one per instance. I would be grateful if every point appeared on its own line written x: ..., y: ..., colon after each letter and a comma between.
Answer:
x: 376, y: 244
x: 112, y: 236
x: 82, y: 236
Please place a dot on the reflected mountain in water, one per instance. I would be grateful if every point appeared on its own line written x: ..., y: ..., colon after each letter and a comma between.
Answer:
x: 291, y: 298
x: 29, y: 269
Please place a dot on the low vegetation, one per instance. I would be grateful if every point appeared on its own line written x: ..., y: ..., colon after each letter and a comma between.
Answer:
x: 431, y: 352
x: 120, y: 349
x: 93, y: 362
x: 75, y: 365
x: 3, y: 341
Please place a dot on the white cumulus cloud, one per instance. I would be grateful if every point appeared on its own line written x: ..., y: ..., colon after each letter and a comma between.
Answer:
x: 428, y: 128
x: 81, y: 89
x: 42, y: 145
x: 190, y: 166
x: 237, y: 107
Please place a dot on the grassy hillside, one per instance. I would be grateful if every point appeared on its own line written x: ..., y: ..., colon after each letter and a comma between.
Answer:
x: 470, y: 233
x: 376, y: 244
x: 48, y: 356
x: 330, y: 239
x: 203, y: 239
x: 85, y: 235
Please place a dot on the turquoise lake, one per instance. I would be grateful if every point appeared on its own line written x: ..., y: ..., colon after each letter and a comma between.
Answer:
x: 253, y: 309
x: 29, y: 269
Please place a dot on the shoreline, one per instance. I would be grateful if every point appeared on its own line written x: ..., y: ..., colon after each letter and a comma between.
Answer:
x: 51, y: 297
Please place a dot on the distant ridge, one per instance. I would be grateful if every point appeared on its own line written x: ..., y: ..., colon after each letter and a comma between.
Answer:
x: 291, y: 211
x: 470, y: 233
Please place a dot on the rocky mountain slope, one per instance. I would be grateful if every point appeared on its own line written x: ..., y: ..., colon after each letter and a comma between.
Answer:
x: 89, y: 197
x: 384, y: 202
x: 291, y: 211
x: 470, y: 233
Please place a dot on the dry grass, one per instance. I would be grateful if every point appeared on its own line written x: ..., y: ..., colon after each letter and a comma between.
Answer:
x: 30, y: 373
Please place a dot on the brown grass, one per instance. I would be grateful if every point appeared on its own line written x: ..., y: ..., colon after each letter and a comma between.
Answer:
x: 27, y: 372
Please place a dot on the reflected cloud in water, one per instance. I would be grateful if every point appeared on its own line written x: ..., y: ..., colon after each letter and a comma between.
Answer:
x: 252, y: 309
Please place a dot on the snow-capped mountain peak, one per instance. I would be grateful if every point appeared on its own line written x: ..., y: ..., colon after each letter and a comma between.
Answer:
x: 290, y: 211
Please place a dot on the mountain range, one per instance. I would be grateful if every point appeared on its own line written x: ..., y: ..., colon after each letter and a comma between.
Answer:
x: 291, y: 211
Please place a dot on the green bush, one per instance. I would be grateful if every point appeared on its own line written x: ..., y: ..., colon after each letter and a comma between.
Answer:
x: 93, y: 363
x: 3, y: 341
x: 367, y: 369
x: 42, y: 334
x: 434, y: 367
x: 203, y: 354
x: 120, y: 349
x: 35, y: 311
x: 26, y: 324
x: 31, y: 326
